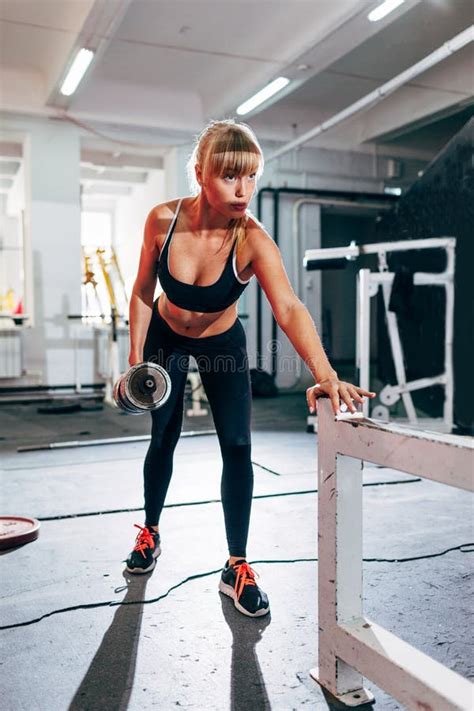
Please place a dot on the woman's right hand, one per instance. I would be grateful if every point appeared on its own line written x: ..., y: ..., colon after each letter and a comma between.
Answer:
x: 135, y: 358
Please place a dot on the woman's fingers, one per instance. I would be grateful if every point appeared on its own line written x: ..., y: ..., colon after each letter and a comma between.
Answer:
x: 367, y: 393
x: 337, y: 391
x: 354, y: 394
x: 346, y: 397
x: 311, y: 396
x: 334, y: 397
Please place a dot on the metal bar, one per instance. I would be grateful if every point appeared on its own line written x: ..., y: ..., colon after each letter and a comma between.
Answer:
x: 374, y: 97
x: 363, y: 333
x: 297, y: 262
x: 419, y: 278
x: 420, y: 384
x: 398, y: 356
x: 408, y: 244
x: 110, y: 440
x: 16, y: 317
x: 448, y: 406
x: 356, y: 250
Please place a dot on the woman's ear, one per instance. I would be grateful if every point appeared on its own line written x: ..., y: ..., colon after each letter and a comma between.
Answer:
x: 198, y: 172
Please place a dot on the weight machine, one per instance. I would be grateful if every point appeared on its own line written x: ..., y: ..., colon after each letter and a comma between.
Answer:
x: 368, y: 284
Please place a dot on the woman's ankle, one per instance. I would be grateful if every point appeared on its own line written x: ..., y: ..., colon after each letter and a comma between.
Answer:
x: 234, y: 558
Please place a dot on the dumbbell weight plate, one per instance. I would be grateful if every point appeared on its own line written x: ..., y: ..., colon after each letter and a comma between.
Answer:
x: 144, y: 387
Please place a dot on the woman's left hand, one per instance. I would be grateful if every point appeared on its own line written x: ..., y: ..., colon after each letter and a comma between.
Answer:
x: 336, y: 390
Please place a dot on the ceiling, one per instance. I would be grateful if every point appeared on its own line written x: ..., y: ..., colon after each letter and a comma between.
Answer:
x: 164, y: 67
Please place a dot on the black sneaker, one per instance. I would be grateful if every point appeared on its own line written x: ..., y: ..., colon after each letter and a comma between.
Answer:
x: 238, y: 582
x: 147, y: 549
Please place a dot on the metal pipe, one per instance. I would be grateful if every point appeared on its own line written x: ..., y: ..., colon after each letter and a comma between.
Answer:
x: 356, y: 250
x: 110, y: 440
x: 374, y: 97
x: 354, y: 198
x: 363, y: 333
x: 448, y: 408
x: 297, y: 261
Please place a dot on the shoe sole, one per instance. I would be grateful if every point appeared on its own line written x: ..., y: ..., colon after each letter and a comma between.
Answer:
x: 140, y: 571
x: 229, y: 590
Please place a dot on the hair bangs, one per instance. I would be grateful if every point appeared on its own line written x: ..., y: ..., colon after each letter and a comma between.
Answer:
x: 235, y: 153
x: 234, y: 162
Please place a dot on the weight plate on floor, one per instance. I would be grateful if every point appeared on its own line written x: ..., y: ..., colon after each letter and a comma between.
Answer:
x: 17, y: 530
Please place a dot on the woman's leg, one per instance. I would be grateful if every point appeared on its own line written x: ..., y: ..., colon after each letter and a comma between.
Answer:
x: 226, y: 380
x: 161, y: 348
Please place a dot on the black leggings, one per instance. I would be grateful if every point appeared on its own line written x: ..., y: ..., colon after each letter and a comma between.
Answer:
x: 223, y: 366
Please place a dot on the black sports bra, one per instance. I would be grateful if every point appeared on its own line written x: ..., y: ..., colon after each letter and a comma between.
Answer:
x: 206, y: 299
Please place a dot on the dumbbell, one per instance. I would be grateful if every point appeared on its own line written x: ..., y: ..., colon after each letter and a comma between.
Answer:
x: 144, y: 387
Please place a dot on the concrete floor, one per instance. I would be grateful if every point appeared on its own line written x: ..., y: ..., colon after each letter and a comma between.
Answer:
x: 83, y: 635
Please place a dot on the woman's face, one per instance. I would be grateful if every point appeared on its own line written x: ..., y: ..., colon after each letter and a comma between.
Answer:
x: 229, y: 194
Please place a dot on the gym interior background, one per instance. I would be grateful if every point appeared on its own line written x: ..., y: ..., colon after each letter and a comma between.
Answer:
x: 79, y: 174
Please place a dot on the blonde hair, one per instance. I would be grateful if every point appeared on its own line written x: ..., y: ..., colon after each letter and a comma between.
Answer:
x: 225, y: 147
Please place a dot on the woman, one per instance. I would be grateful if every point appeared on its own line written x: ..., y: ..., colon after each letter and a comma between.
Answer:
x: 205, y: 249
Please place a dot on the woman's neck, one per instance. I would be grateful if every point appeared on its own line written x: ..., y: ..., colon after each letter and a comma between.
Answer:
x: 203, y: 219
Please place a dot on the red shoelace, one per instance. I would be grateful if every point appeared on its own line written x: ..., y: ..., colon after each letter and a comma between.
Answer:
x: 144, y: 540
x: 245, y: 576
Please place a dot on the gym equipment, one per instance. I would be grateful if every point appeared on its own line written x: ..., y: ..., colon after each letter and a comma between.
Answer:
x: 17, y: 530
x: 144, y: 387
x: 107, y: 440
x: 368, y: 285
x: 344, y: 631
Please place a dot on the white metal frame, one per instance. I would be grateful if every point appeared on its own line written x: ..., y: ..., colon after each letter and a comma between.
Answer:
x: 368, y: 283
x: 352, y: 646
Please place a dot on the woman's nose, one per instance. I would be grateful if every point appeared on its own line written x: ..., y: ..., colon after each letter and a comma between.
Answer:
x: 239, y: 187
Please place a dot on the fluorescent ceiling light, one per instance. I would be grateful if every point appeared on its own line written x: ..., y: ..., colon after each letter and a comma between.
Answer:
x: 384, y: 9
x: 262, y: 95
x: 78, y: 69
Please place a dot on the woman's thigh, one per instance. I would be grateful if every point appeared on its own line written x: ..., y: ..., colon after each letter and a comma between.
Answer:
x: 162, y: 349
x: 225, y: 376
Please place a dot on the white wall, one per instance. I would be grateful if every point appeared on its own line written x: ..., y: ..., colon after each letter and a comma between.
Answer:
x: 11, y: 261
x: 129, y: 220
x: 52, y: 246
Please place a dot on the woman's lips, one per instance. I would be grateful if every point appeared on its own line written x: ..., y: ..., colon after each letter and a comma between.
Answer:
x: 239, y: 206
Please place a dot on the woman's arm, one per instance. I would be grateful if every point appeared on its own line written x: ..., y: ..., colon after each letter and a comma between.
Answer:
x: 141, y: 300
x: 295, y: 320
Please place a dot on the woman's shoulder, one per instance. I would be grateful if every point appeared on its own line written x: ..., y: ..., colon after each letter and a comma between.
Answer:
x: 164, y: 209
x: 257, y: 236
x: 159, y: 219
x: 254, y: 226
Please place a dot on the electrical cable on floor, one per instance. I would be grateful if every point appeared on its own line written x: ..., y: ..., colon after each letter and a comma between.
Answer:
x: 212, y: 501
x: 115, y: 603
